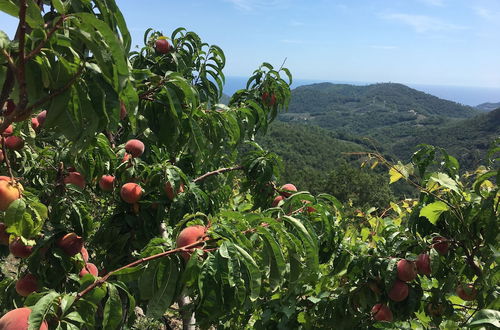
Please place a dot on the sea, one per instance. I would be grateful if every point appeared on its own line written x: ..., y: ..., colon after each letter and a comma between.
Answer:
x: 465, y: 95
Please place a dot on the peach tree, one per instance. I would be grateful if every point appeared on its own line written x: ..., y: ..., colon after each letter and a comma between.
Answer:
x: 130, y: 194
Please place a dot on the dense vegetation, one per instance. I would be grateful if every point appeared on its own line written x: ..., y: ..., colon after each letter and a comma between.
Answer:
x: 488, y: 106
x: 129, y: 198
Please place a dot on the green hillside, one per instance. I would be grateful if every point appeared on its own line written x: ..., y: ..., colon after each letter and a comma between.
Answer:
x: 361, y: 109
x: 467, y: 139
x: 488, y: 106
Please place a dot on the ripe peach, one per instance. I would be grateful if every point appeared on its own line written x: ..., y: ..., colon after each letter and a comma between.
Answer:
x: 17, y: 319
x: 134, y: 147
x: 106, y: 182
x: 75, y: 178
x: 14, y: 142
x: 70, y: 243
x: 8, y: 131
x: 41, y: 117
x: 170, y: 191
x: 466, y: 292
x: 162, y: 46
x: 34, y: 123
x: 441, y: 245
x: 407, y: 271
x: 399, y: 291
x: 288, y: 189
x: 89, y: 268
x: 26, y: 285
x: 277, y: 200
x: 18, y: 249
x: 380, y: 312
x: 131, y: 192
x: 189, y: 235
x: 423, y: 264
x: 4, y: 236
x: 9, y: 192
x: 85, y: 254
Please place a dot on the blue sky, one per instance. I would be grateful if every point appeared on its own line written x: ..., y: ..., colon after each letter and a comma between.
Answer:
x: 437, y: 42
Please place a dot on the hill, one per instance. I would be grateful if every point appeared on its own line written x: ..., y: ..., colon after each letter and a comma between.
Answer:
x: 488, y: 106
x: 361, y: 109
x: 467, y: 139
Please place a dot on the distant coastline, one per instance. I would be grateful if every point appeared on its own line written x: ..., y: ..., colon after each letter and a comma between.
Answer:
x: 465, y: 95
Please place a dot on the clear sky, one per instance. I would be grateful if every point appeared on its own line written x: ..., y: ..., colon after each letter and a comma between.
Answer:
x: 437, y: 42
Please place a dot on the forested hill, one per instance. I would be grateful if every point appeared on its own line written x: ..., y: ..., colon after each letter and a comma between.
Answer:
x: 467, y: 139
x: 360, y: 109
x: 488, y: 106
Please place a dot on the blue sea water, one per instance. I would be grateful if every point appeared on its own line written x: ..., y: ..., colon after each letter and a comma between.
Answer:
x: 465, y: 95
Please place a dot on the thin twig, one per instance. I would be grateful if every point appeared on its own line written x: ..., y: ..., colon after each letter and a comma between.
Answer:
x: 49, y: 34
x: 217, y: 172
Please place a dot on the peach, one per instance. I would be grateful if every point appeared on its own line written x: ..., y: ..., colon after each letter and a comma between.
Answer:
x: 162, y: 46
x: 14, y: 143
x: 41, y: 117
x: 26, y: 285
x: 134, y: 147
x: 70, y: 243
x: 407, y: 271
x: 190, y: 235
x: 17, y: 319
x: 35, y: 123
x: 277, y: 200
x: 19, y: 249
x: 170, y: 191
x: 466, y: 292
x: 85, y: 254
x: 75, y: 178
x: 288, y: 189
x: 106, y: 182
x: 8, y: 131
x: 9, y: 192
x: 89, y: 268
x: 380, y: 312
x: 399, y: 291
x: 441, y: 245
x: 131, y: 192
x: 423, y: 264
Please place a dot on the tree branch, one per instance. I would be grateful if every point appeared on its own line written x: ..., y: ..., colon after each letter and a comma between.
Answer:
x: 102, y: 280
x: 49, y: 34
x: 217, y: 172
x: 6, y: 159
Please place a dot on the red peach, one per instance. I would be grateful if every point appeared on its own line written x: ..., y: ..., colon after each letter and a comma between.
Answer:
x: 70, y: 243
x: 89, y: 268
x: 407, y: 271
x: 288, y: 189
x: 162, y: 46
x: 75, y: 178
x: 190, y: 235
x: 380, y: 312
x: 170, y: 191
x: 18, y: 249
x: 466, y: 292
x: 26, y: 285
x: 14, y: 142
x: 106, y: 183
x: 423, y: 264
x: 399, y: 291
x: 17, y: 319
x: 134, y: 147
x: 131, y: 192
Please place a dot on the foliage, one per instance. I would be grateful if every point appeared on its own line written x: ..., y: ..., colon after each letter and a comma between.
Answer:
x: 306, y: 262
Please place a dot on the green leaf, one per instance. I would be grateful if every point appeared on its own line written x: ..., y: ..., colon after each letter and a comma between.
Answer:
x: 41, y: 309
x: 166, y: 288
x: 486, y: 316
x: 253, y: 272
x: 15, y: 212
x: 444, y: 180
x: 4, y: 40
x: 399, y: 171
x: 112, y: 309
x: 432, y: 211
